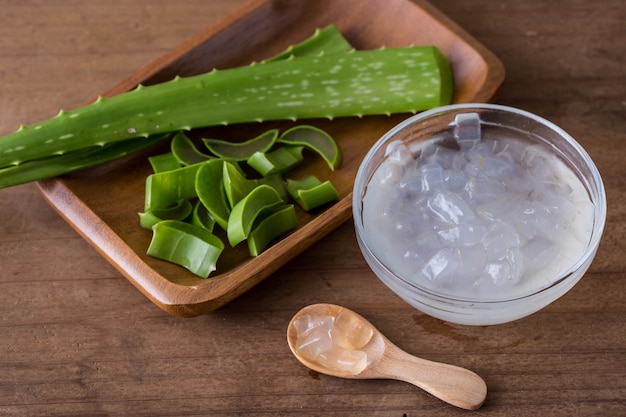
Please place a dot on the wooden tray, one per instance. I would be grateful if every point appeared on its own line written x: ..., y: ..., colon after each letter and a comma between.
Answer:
x: 102, y: 203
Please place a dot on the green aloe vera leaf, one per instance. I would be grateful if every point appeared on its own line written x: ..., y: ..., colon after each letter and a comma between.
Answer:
x: 209, y: 184
x: 73, y: 161
x: 186, y: 245
x: 316, y: 140
x: 180, y: 211
x: 201, y: 217
x: 357, y: 83
x: 311, y: 193
x: 277, y: 161
x: 167, y: 188
x: 163, y: 162
x: 243, y: 215
x: 241, y: 151
x: 185, y: 151
x: 327, y: 40
x: 266, y: 230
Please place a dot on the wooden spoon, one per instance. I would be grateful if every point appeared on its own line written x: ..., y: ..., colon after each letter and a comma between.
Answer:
x: 452, y: 384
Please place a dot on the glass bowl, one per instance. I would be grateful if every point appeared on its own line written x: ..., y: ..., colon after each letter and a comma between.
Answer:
x: 478, y: 214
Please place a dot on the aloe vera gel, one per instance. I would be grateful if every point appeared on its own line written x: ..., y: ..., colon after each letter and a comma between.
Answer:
x: 479, y: 211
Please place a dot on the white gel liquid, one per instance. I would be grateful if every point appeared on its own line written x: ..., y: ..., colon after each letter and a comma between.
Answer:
x: 495, y: 218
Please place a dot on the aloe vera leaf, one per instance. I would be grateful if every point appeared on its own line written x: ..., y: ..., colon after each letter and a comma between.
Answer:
x: 277, y: 161
x: 311, y: 193
x: 253, y: 205
x: 73, y: 161
x: 241, y: 151
x: 186, y: 245
x: 327, y: 40
x: 167, y: 188
x: 266, y: 230
x: 180, y: 211
x: 185, y: 152
x: 163, y: 162
x: 317, y: 140
x: 201, y: 217
x: 358, y: 83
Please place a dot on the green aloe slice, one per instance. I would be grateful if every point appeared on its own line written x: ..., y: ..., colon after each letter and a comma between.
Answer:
x: 180, y: 211
x: 209, y: 185
x: 201, y: 217
x: 311, y: 193
x: 186, y: 245
x: 315, y: 139
x: 266, y: 230
x: 167, y: 188
x: 277, y: 161
x: 185, y: 151
x: 163, y: 162
x: 243, y: 215
x: 241, y: 151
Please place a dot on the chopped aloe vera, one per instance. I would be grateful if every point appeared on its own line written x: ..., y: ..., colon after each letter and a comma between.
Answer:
x: 266, y: 230
x: 167, y: 188
x: 180, y: 211
x: 209, y: 185
x: 185, y: 151
x: 311, y: 193
x: 315, y: 139
x: 236, y: 185
x: 201, y: 217
x: 276, y: 161
x: 186, y: 245
x: 243, y: 215
x: 241, y: 151
x: 163, y: 162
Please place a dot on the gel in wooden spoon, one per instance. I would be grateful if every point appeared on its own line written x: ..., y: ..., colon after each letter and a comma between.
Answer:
x: 336, y: 341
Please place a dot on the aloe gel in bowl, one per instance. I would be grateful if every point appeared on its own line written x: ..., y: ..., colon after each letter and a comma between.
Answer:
x: 478, y: 214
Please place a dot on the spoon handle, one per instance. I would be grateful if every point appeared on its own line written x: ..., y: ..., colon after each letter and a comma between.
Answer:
x: 452, y: 384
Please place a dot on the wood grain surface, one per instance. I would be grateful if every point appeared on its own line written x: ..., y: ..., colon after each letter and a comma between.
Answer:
x: 77, y: 339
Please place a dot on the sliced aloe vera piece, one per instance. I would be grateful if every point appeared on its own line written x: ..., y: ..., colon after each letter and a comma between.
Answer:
x: 241, y: 151
x: 186, y: 245
x: 185, y: 152
x: 277, y: 161
x: 311, y: 193
x: 236, y: 185
x: 315, y: 139
x: 201, y: 217
x: 167, y: 188
x: 163, y: 162
x: 266, y: 230
x: 209, y: 185
x: 180, y: 211
x: 243, y: 215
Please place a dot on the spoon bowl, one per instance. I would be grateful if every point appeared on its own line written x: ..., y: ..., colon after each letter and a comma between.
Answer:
x: 384, y: 360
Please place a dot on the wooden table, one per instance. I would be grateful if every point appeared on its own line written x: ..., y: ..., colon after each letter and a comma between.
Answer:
x: 76, y: 339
